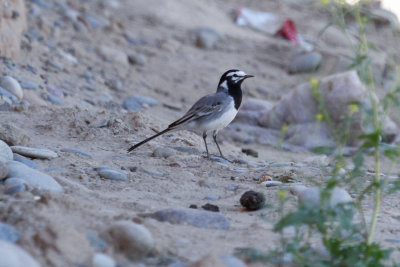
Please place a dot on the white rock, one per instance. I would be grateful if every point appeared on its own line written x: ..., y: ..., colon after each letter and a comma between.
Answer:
x: 32, y: 177
x: 5, y: 152
x: 39, y: 153
x: 130, y: 238
x: 12, y: 86
x: 111, y: 54
x: 103, y: 260
x: 311, y: 196
x: 13, y: 256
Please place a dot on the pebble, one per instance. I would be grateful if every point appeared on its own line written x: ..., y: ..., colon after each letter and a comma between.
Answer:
x: 96, y: 21
x: 153, y: 172
x: 103, y: 260
x: 271, y: 183
x: 252, y: 200
x: 208, y: 260
x: 111, y: 173
x: 204, y: 37
x: 218, y: 159
x: 163, y: 152
x: 393, y: 240
x: 55, y: 100
x: 11, y: 189
x: 137, y: 59
x: 112, y: 54
x: 12, y: 86
x: 114, y: 84
x: 13, y: 255
x: 95, y: 241
x: 311, y: 196
x: 38, y: 153
x: 136, y: 102
x: 133, y: 239
x: 194, y: 217
x: 3, y: 170
x: 13, y: 135
x: 13, y: 98
x: 211, y: 197
x: 5, y: 152
x: 5, y: 104
x: 232, y: 187
x: 32, y: 177
x: 8, y: 233
x: 304, y: 63
x: 75, y: 151
x: 29, y: 85
x: 210, y: 207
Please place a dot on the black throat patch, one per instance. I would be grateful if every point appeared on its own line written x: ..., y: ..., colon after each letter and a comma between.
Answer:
x: 235, y: 91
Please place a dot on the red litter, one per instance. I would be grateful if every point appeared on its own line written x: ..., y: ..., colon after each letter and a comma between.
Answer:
x: 289, y: 31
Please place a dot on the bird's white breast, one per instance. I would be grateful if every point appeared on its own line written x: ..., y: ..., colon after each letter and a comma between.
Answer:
x: 223, y: 120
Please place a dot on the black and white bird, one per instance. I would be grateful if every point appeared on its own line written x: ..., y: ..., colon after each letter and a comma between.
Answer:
x: 212, y: 112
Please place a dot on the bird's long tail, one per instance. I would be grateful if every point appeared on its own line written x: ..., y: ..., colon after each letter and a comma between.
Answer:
x: 148, y: 139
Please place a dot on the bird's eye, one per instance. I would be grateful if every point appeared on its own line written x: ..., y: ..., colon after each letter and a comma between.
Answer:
x: 235, y: 75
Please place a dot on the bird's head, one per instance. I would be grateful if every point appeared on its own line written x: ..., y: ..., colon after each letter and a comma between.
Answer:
x: 232, y: 78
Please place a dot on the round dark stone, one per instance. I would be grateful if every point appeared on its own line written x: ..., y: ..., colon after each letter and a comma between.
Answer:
x: 252, y: 200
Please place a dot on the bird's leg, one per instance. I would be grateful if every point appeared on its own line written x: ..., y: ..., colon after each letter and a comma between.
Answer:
x: 205, y: 142
x: 219, y: 149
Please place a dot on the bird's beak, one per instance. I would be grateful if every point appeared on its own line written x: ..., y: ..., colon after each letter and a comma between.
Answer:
x: 248, y: 76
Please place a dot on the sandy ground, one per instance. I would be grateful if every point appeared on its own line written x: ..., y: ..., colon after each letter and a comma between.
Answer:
x: 176, y: 73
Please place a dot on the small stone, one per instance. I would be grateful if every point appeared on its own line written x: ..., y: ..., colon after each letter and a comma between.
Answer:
x: 137, y: 59
x: 194, y: 217
x: 134, y: 240
x: 114, y: 84
x: 218, y: 159
x: 95, y: 241
x: 252, y: 200
x: 210, y: 207
x: 205, y: 38
x: 103, y: 260
x: 232, y: 187
x: 136, y: 102
x: 11, y: 189
x: 12, y: 86
x: 3, y: 170
x: 163, y: 152
x: 193, y: 206
x: 111, y: 173
x: 75, y: 151
x: 13, y: 135
x: 112, y: 55
x: 153, y: 172
x: 5, y: 152
x: 32, y: 177
x: 5, y: 93
x: 29, y: 85
x: 211, y: 197
x: 26, y: 161
x: 8, y: 233
x: 305, y: 62
x: 37, y: 153
x: 208, y: 260
x: 5, y: 104
x: 271, y: 183
x: 231, y: 261
x: 55, y: 100
x: 250, y: 152
x: 96, y: 21
x: 13, y: 255
x: 311, y: 196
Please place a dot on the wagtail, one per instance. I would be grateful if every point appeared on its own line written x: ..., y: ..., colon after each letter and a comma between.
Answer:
x: 212, y: 112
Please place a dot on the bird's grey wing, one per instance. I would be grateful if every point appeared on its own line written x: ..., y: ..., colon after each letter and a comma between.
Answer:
x: 203, y: 107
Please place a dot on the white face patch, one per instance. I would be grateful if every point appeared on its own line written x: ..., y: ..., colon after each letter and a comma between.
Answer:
x: 236, y: 75
x: 224, y: 85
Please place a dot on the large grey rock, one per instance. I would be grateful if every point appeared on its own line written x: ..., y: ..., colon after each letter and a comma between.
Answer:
x: 134, y: 240
x: 5, y: 152
x: 13, y: 256
x: 300, y: 106
x: 33, y: 177
x: 38, y: 153
x: 197, y: 218
x: 13, y: 135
